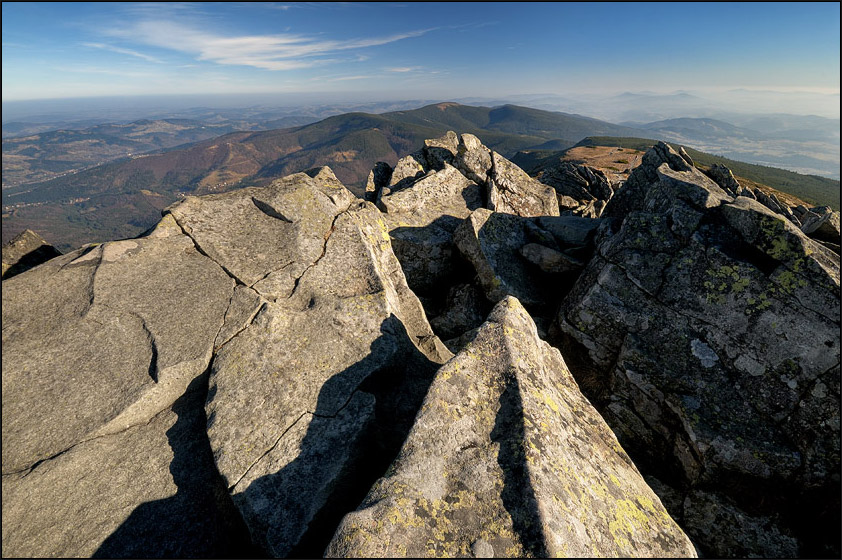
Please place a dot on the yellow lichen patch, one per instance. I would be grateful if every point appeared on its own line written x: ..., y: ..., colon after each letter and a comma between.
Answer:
x: 628, y: 519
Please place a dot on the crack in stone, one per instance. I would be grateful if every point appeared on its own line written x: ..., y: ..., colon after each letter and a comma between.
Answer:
x: 320, y: 257
x: 303, y: 414
x: 251, y: 320
x: 265, y: 453
x: 31, y: 468
x: 202, y: 252
x: 265, y: 276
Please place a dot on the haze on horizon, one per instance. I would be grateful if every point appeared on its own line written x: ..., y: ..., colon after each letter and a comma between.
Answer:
x: 775, y: 57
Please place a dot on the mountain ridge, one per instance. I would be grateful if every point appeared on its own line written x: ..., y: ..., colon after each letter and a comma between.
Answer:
x: 136, y: 190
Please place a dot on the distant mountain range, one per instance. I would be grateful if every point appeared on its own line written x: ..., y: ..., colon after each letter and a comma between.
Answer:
x: 124, y: 197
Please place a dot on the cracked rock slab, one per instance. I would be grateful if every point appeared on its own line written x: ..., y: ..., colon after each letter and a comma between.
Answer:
x: 255, y: 232
x: 90, y: 333
x: 285, y: 393
x: 508, y: 459
x: 149, y: 491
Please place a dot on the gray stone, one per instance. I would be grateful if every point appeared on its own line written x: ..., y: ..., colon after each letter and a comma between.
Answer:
x: 550, y: 260
x: 465, y: 309
x: 421, y: 220
x: 507, y: 458
x: 98, y: 345
x: 725, y: 179
x: 701, y: 328
x: 378, y: 179
x: 490, y: 241
x: 26, y: 250
x: 824, y: 227
x: 512, y: 191
x: 570, y: 230
x: 283, y: 425
x: 407, y: 170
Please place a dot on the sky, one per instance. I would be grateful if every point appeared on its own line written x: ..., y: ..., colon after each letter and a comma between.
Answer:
x: 415, y: 50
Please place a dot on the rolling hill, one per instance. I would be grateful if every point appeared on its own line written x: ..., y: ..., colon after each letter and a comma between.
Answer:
x: 124, y: 197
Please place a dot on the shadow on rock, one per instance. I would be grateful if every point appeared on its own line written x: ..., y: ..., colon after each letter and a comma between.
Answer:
x: 344, y: 450
x: 199, y: 521
x: 518, y: 495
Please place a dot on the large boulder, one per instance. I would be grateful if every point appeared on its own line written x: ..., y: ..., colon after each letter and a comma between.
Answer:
x: 281, y: 309
x: 99, y: 345
x: 491, y: 242
x: 579, y: 187
x: 298, y: 398
x: 512, y: 191
x: 706, y: 329
x: 422, y: 218
x: 508, y: 459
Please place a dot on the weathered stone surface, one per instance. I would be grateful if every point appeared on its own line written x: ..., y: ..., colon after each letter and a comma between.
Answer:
x: 473, y: 159
x: 738, y: 535
x: 445, y: 193
x: 490, y: 241
x: 706, y: 324
x: 440, y: 151
x: 824, y: 227
x: 407, y: 169
x: 512, y: 191
x: 724, y: 178
x: 149, y: 491
x: 550, y: 260
x: 96, y: 344
x: 266, y: 234
x: 507, y: 458
x: 291, y: 396
x: 112, y: 308
x: 421, y: 220
x: 581, y: 183
x: 378, y: 179
x: 111, y: 336
x: 465, y: 309
x: 570, y: 230
x: 26, y: 250
x: 652, y: 170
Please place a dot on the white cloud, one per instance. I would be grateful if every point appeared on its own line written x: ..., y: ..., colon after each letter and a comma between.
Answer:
x: 271, y: 52
x: 122, y: 51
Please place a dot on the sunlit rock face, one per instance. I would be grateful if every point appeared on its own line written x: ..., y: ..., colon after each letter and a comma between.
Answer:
x: 271, y: 371
x: 709, y: 328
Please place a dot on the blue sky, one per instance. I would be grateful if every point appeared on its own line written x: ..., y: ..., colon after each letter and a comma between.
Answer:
x: 415, y: 50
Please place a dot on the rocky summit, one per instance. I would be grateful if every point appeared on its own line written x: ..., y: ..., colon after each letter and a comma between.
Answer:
x: 468, y: 362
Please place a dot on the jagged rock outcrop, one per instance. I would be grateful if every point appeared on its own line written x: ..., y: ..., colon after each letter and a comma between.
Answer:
x: 822, y: 223
x: 512, y: 191
x: 99, y: 345
x: 26, y: 250
x: 423, y: 212
x: 236, y: 380
x: 507, y: 458
x: 490, y: 241
x: 706, y: 328
x: 581, y: 189
x: 288, y: 413
x: 292, y: 292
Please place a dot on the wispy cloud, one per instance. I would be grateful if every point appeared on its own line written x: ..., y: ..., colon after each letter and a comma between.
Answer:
x: 403, y: 69
x: 121, y: 50
x: 285, y: 51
